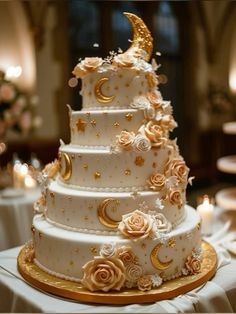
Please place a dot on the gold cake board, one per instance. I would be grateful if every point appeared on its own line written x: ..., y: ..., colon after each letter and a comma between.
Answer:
x: 74, y: 291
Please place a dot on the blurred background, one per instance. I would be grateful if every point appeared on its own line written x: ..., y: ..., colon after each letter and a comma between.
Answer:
x: 41, y: 41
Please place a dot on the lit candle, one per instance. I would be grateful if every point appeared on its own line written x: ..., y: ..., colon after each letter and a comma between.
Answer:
x: 205, y: 211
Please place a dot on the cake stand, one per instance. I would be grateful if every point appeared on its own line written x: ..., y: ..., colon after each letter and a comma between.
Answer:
x: 45, y: 282
x: 226, y: 198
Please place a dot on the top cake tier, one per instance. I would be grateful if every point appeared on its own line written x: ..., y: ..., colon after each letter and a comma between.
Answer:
x: 114, y: 85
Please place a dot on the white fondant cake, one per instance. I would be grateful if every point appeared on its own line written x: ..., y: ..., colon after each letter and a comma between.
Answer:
x: 113, y: 212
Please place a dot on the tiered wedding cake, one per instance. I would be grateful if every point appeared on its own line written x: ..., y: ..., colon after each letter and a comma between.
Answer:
x: 113, y: 209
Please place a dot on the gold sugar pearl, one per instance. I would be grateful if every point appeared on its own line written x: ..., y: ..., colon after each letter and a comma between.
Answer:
x: 85, y: 167
x: 98, y: 134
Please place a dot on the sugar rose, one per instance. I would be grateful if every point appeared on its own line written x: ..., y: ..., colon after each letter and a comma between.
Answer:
x: 52, y: 169
x: 126, y: 254
x: 175, y: 198
x: 155, y: 99
x: 139, y: 102
x: 133, y: 272
x: 193, y: 265
x: 157, y: 182
x: 168, y: 122
x: 103, y: 274
x: 144, y: 283
x: 108, y: 250
x: 125, y: 139
x: 177, y: 168
x: 150, y: 112
x: 162, y: 224
x: 154, y: 133
x: 124, y: 60
x: 136, y: 225
x: 87, y: 65
x: 141, y: 143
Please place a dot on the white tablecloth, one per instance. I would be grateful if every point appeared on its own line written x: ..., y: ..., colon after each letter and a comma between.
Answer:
x: 16, y: 219
x: 217, y: 295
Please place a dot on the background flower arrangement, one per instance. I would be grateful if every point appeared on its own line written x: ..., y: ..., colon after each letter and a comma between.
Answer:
x: 17, y: 109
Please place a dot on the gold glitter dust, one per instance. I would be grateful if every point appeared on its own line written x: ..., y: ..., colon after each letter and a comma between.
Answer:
x: 127, y: 85
x: 183, y: 249
x: 154, y: 165
x: 127, y: 172
x: 129, y: 116
x: 73, y: 156
x: 81, y: 124
x: 93, y: 122
x: 71, y: 263
x: 98, y: 135
x: 77, y: 250
x: 97, y: 175
x: 90, y: 207
x: 62, y: 210
x: 86, y: 218
x: 139, y: 161
x: 86, y: 167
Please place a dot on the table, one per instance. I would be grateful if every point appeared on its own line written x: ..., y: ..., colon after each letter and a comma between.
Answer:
x: 217, y: 295
x: 16, y: 215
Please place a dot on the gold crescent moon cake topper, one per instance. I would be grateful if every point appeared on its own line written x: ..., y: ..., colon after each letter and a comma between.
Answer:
x: 103, y: 216
x: 66, y: 174
x: 98, y: 91
x: 156, y: 261
x: 142, y: 38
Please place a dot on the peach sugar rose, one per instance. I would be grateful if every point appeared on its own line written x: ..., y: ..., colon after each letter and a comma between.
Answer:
x: 155, y: 100
x: 136, y: 225
x: 144, y: 283
x: 157, y: 182
x: 154, y: 133
x: 126, y: 255
x: 52, y: 169
x: 103, y: 274
x: 87, y: 65
x: 177, y: 168
x: 125, y: 139
x: 124, y: 60
x: 193, y: 265
x: 175, y: 198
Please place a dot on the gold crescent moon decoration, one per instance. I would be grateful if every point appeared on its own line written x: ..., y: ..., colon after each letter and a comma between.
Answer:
x: 66, y: 174
x: 142, y: 38
x: 102, y: 214
x: 98, y: 92
x: 156, y: 261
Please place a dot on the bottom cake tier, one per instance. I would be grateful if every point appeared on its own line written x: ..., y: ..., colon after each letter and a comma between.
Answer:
x: 77, y: 256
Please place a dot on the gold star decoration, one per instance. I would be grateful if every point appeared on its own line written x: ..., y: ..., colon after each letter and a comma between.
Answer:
x: 172, y: 242
x: 93, y: 122
x: 81, y: 124
x: 139, y: 161
x: 97, y: 175
x: 127, y: 172
x: 129, y: 116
